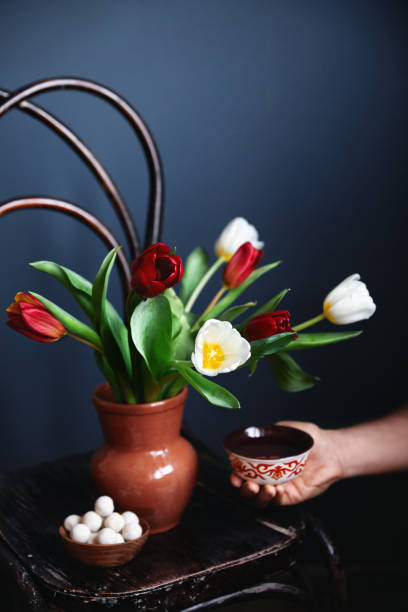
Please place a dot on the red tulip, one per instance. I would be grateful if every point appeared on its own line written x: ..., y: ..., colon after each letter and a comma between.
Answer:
x: 268, y: 324
x: 241, y: 264
x: 155, y: 270
x: 29, y: 317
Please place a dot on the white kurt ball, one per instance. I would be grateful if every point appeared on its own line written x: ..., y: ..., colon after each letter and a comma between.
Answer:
x: 92, y: 520
x: 107, y: 536
x: 119, y: 539
x: 104, y: 505
x: 132, y: 531
x: 93, y: 538
x: 130, y: 517
x: 115, y: 521
x: 80, y: 533
x: 71, y: 521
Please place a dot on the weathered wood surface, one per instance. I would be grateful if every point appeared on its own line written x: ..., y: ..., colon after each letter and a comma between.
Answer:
x: 220, y: 546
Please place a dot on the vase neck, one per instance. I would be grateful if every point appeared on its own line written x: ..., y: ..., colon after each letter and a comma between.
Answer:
x: 140, y: 426
x: 141, y: 432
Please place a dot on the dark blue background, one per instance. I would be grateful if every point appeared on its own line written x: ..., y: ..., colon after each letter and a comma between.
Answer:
x: 290, y: 114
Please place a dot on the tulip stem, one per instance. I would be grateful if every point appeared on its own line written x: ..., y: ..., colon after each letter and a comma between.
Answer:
x: 213, y: 302
x: 308, y: 323
x: 181, y: 362
x: 217, y: 264
x: 74, y: 337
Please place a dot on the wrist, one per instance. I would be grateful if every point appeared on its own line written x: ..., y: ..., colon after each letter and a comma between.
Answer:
x: 338, y: 444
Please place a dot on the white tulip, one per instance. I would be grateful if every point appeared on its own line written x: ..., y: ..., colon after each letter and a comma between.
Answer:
x: 219, y: 348
x: 349, y: 302
x: 234, y: 235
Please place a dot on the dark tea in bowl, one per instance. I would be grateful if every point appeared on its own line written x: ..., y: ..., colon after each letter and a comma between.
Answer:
x: 268, y: 454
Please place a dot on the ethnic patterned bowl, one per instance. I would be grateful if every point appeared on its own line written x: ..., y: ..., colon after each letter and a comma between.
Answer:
x: 105, y: 555
x: 268, y: 454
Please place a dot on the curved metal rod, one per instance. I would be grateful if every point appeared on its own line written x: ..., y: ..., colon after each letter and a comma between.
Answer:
x: 155, y: 211
x: 92, y: 162
x: 82, y: 215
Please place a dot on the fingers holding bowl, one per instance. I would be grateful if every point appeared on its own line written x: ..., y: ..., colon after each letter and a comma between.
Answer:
x: 249, y: 488
x: 261, y: 495
x: 266, y: 494
x: 235, y: 480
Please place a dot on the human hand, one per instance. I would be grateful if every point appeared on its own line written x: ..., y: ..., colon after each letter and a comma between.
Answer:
x: 322, y: 468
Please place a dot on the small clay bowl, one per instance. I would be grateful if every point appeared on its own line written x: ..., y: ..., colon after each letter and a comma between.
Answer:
x: 268, y: 454
x: 105, y: 555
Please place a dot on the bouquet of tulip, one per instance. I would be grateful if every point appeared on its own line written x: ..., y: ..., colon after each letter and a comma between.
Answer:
x: 160, y: 346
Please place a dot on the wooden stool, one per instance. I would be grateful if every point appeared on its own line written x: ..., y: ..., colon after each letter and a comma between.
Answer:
x: 223, y: 551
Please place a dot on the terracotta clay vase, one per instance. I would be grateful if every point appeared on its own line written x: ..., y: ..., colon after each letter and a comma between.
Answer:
x: 144, y: 465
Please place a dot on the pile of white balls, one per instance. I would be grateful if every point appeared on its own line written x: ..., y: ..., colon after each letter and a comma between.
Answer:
x: 103, y: 525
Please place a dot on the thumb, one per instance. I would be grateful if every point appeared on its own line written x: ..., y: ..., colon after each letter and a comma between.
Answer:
x: 306, y: 426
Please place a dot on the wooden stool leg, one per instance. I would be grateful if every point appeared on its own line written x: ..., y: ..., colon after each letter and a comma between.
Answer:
x: 333, y: 563
x: 266, y: 590
x: 23, y: 589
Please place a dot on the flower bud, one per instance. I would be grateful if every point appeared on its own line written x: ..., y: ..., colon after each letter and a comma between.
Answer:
x: 349, y: 302
x: 29, y: 317
x: 268, y: 324
x: 234, y: 235
x: 241, y: 265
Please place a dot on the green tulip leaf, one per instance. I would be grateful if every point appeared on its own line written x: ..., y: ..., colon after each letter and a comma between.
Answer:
x: 151, y: 327
x: 267, y: 346
x: 81, y: 290
x: 109, y: 374
x: 114, y: 333
x: 306, y: 341
x: 70, y: 279
x: 271, y: 345
x: 195, y: 267
x: 270, y: 306
x: 79, y: 287
x: 234, y: 293
x: 71, y: 323
x: 100, y: 285
x: 212, y: 392
x: 176, y: 327
x: 132, y: 300
x: 289, y: 375
x: 172, y: 387
x: 182, y: 339
x: 235, y: 311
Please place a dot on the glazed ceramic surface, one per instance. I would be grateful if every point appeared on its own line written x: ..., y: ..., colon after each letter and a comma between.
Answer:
x: 269, y: 454
x: 145, y: 465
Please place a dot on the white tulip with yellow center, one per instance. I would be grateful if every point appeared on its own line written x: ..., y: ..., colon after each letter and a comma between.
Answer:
x: 234, y: 235
x: 349, y: 302
x: 219, y: 348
